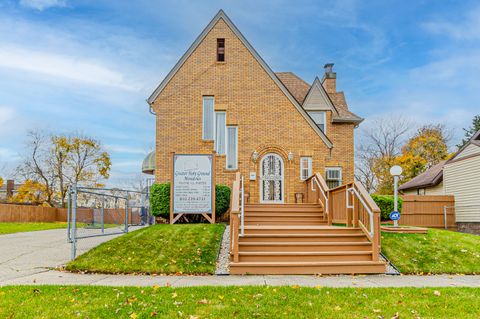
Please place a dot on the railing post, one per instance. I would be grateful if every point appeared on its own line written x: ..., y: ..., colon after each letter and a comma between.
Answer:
x: 235, y: 246
x: 356, y: 211
x: 330, y: 205
x: 445, y: 216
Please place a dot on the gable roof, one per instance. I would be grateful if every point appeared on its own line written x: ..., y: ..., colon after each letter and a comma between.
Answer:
x: 221, y: 15
x: 300, y: 90
x: 318, y: 85
x: 431, y: 177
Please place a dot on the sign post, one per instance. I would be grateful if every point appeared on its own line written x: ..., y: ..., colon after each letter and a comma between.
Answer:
x: 193, y: 186
x: 396, y: 171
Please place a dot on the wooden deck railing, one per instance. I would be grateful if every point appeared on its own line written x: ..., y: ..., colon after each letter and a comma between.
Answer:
x: 235, y: 212
x: 317, y: 192
x: 350, y: 203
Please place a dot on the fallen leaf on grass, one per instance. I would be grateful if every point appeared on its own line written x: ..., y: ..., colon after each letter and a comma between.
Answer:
x: 437, y: 293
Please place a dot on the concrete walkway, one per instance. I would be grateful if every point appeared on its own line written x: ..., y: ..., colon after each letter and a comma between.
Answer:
x: 64, y: 278
x: 27, y: 258
x: 30, y: 253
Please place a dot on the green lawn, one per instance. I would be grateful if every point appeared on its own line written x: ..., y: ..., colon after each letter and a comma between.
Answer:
x: 10, y: 228
x: 437, y: 252
x: 237, y: 302
x: 159, y: 249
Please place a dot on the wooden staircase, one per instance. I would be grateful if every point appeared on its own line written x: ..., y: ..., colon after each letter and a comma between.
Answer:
x: 296, y: 239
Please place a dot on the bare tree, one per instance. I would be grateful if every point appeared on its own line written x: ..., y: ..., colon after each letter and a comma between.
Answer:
x: 55, y: 161
x: 379, y: 144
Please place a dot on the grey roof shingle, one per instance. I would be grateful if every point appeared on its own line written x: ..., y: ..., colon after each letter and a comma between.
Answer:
x: 430, y: 177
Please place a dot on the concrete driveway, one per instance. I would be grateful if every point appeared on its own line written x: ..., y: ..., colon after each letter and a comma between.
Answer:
x: 25, y: 254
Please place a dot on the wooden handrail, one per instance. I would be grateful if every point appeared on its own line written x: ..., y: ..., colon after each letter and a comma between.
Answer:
x: 313, y: 183
x: 235, y: 210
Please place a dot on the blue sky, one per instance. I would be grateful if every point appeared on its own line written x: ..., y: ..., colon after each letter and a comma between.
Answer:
x: 89, y: 65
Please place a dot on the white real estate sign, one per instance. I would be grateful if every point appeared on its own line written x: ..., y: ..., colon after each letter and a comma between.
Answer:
x: 192, y: 184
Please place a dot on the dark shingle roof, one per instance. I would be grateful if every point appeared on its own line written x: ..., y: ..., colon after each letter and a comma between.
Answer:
x: 299, y: 89
x: 430, y: 177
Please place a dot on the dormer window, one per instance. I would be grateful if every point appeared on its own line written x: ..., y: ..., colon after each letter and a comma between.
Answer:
x: 220, y: 50
x: 320, y: 118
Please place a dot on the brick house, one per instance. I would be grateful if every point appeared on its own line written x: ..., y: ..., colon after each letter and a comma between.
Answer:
x: 273, y: 127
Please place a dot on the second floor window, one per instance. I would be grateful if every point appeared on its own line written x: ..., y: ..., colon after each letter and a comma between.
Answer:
x: 220, y: 50
x: 208, y: 118
x: 305, y: 167
x: 320, y: 118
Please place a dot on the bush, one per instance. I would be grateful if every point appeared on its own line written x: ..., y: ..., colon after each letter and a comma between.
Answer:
x: 222, y: 199
x: 160, y: 199
x: 386, y: 204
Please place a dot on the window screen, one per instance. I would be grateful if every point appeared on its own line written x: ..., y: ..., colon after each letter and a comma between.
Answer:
x: 333, y: 176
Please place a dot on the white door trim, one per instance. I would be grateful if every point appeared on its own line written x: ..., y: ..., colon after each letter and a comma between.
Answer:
x: 282, y: 184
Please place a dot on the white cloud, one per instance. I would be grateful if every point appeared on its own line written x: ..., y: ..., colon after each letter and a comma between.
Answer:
x: 63, y: 66
x: 6, y: 115
x: 126, y: 149
x: 42, y: 4
x: 466, y: 28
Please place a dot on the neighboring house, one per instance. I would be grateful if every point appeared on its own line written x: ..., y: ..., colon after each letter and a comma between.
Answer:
x: 275, y: 128
x: 459, y: 176
x: 429, y: 182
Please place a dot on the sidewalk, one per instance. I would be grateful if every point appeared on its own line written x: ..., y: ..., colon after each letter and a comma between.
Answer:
x: 52, y: 277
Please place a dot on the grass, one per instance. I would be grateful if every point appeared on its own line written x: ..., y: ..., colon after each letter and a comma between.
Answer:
x: 159, y: 249
x: 437, y: 252
x: 237, y: 302
x: 10, y: 228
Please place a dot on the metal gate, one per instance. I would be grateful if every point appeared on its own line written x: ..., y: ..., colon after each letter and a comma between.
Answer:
x: 97, y: 212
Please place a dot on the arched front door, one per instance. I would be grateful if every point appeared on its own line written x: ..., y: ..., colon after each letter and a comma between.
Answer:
x: 271, y: 179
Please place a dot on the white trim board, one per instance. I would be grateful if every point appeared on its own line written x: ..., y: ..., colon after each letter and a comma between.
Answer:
x: 221, y: 15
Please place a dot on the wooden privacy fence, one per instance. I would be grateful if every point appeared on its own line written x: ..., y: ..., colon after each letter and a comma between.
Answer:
x: 428, y: 211
x: 28, y: 214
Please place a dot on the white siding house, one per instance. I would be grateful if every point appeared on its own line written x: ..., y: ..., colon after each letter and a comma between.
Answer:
x: 460, y: 177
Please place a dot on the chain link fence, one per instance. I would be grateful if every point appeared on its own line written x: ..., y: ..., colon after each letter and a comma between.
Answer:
x: 94, y: 215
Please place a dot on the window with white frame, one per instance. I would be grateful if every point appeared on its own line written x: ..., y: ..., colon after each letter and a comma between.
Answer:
x: 320, y: 118
x: 208, y: 118
x: 232, y: 147
x: 305, y: 167
x: 220, y: 132
x: 333, y: 176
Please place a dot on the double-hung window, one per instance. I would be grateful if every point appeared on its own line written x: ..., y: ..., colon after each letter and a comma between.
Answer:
x: 220, y: 132
x: 320, y: 118
x: 305, y: 167
x: 232, y: 147
x: 208, y: 118
x: 333, y: 176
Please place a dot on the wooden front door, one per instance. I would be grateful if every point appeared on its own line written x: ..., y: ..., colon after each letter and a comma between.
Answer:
x: 271, y: 179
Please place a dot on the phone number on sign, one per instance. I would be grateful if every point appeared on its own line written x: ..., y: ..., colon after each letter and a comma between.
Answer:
x: 199, y: 198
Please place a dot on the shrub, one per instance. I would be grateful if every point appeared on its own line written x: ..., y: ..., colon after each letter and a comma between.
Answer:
x: 386, y: 204
x: 222, y: 199
x: 160, y: 199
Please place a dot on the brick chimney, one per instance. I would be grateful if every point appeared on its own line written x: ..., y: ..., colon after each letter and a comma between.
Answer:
x: 330, y: 79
